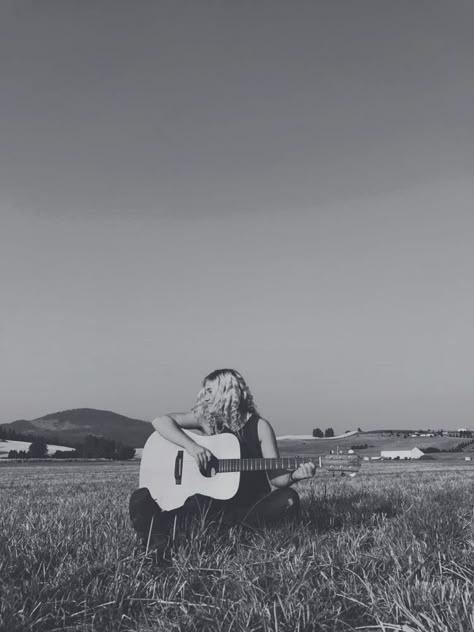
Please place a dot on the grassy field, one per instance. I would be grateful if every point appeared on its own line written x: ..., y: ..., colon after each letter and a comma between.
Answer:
x: 391, y: 550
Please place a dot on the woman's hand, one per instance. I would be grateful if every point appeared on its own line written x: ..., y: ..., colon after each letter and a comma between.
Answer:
x: 305, y: 470
x: 201, y: 455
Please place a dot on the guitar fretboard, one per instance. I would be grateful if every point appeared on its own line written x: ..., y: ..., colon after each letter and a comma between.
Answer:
x: 256, y: 464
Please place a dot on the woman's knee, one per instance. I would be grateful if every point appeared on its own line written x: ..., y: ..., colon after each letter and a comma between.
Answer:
x: 278, y: 505
x: 291, y: 500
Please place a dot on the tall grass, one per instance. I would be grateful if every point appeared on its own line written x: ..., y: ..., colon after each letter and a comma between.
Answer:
x: 380, y: 552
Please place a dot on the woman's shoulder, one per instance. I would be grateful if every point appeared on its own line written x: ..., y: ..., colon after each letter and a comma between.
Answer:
x: 264, y: 427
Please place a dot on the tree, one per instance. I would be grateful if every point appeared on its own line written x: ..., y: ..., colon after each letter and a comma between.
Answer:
x: 317, y: 432
x: 124, y: 452
x: 65, y: 454
x: 38, y: 449
x: 95, y: 447
x: 329, y: 432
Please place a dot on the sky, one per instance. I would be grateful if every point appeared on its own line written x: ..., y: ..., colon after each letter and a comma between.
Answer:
x: 284, y: 188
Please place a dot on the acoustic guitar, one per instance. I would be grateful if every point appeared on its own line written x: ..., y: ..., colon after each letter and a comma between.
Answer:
x: 172, y: 475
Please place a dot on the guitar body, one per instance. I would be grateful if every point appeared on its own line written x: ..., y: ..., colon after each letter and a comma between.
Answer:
x: 172, y: 475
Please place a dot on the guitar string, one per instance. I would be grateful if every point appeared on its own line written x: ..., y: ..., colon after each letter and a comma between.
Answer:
x: 285, y: 463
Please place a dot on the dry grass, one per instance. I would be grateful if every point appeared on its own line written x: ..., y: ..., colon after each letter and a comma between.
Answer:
x: 392, y: 550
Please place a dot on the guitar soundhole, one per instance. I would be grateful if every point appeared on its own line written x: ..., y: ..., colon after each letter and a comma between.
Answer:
x: 212, y: 469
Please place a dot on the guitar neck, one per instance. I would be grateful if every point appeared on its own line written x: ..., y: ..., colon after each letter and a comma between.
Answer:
x: 260, y: 464
x: 331, y: 462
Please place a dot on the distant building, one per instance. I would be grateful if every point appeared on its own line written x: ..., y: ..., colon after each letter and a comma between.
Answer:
x: 414, y: 453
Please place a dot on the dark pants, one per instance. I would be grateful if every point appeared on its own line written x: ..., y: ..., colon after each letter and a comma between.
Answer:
x: 154, y: 526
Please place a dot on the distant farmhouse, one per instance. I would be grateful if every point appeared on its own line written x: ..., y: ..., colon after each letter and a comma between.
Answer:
x: 414, y: 453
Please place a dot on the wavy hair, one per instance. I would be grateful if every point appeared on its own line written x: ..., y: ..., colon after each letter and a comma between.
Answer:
x: 231, y: 404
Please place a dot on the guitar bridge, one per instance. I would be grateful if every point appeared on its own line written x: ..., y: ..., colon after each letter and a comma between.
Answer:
x: 178, y: 467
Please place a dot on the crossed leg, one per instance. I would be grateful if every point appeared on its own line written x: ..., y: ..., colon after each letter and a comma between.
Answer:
x: 154, y: 526
x: 277, y: 506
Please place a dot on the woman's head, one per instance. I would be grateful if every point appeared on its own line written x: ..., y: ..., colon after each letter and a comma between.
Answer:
x: 224, y: 401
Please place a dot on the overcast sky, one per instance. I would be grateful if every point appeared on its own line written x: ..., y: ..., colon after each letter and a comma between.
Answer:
x: 285, y: 188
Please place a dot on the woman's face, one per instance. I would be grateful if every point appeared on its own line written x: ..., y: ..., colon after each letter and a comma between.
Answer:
x: 210, y: 389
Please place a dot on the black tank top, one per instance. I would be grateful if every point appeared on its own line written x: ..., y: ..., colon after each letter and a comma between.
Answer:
x: 253, y: 485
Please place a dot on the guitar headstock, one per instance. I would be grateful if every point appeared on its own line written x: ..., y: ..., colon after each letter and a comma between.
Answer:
x: 340, y: 462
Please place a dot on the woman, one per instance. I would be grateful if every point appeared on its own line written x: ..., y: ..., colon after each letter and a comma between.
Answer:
x: 224, y: 404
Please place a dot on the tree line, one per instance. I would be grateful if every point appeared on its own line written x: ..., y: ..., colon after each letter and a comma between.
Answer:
x: 7, y: 434
x: 317, y: 432
x: 93, y: 447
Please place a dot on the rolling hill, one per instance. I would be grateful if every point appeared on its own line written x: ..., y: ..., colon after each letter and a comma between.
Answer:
x: 373, y: 442
x: 72, y: 426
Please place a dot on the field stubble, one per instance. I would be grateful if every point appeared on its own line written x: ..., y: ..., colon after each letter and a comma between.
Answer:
x: 391, y: 550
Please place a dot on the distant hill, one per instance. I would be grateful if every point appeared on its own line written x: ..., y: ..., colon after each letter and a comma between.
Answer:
x: 349, y: 433
x: 72, y: 426
x: 366, y: 444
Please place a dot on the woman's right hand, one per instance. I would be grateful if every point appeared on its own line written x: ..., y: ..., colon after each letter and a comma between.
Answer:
x: 201, y: 455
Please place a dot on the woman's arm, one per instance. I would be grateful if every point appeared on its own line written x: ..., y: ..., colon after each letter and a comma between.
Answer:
x: 170, y: 427
x: 269, y: 446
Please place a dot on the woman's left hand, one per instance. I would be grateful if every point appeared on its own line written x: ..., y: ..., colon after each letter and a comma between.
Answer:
x: 305, y: 470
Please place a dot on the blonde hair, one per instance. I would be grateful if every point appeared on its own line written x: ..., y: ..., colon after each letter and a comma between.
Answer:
x: 231, y: 404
